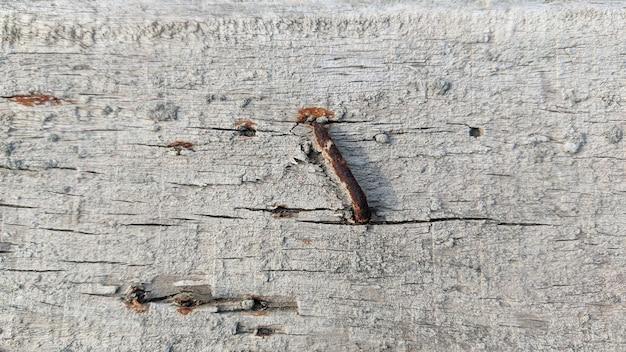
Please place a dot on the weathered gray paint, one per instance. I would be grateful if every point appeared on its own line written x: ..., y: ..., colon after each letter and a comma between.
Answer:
x: 511, y: 240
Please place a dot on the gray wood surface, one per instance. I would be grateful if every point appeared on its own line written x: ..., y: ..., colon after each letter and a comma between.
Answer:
x: 156, y: 195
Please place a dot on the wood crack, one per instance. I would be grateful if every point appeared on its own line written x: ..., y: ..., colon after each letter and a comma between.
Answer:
x: 16, y: 206
x: 282, y: 211
x: 137, y: 298
x: 432, y: 220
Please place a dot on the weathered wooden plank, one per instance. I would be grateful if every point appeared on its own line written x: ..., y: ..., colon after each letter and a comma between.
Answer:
x: 488, y: 139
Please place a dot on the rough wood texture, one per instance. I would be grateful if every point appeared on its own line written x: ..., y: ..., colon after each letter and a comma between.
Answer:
x: 488, y: 138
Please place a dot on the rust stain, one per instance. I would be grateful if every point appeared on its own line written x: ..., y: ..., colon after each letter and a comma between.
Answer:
x: 185, y: 299
x: 307, y: 241
x: 246, y: 127
x: 136, y: 306
x: 36, y: 99
x: 135, y: 299
x: 245, y: 123
x: 178, y: 146
x: 305, y: 114
x: 186, y: 302
x: 184, y: 310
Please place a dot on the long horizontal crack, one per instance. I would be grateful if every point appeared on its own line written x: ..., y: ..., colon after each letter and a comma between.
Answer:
x: 433, y: 220
x: 101, y: 262
x: 282, y: 211
x: 238, y: 130
x: 67, y: 230
x: 33, y: 270
x: 148, y: 224
x: 216, y: 216
x: 16, y: 206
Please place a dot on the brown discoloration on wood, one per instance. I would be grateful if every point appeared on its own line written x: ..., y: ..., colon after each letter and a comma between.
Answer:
x: 327, y: 147
x: 178, y: 146
x: 246, y: 127
x: 135, y: 299
x: 247, y: 123
x: 184, y: 310
x: 35, y: 99
x: 137, y: 307
x: 313, y: 113
x: 187, y: 301
x: 307, y: 241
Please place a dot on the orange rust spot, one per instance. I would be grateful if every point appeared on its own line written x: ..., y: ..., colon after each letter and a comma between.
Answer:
x: 137, y: 306
x: 184, y: 310
x: 135, y: 299
x: 180, y: 145
x: 32, y: 100
x: 247, y: 123
x: 307, y: 241
x: 246, y: 127
x: 313, y: 113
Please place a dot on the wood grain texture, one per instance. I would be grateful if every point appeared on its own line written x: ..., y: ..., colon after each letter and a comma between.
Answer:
x: 487, y: 136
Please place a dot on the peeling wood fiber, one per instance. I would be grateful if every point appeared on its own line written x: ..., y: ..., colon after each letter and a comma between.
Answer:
x: 149, y: 159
